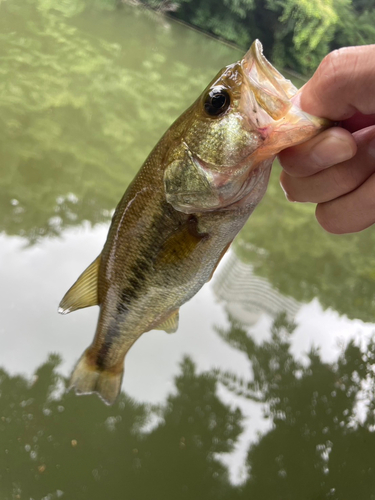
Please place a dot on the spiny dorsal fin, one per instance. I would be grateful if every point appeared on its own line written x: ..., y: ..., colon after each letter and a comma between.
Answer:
x: 170, y: 325
x: 84, y: 292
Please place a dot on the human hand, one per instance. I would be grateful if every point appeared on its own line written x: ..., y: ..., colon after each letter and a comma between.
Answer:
x: 336, y: 169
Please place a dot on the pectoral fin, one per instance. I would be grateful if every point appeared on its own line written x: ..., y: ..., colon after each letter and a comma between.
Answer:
x: 84, y: 292
x: 170, y: 325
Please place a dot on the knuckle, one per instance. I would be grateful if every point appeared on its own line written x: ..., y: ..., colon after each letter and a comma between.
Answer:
x: 330, y: 70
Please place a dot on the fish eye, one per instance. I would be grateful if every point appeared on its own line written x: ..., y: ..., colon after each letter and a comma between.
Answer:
x: 217, y: 102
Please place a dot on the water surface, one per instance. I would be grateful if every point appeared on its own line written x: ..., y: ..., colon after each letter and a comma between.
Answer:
x: 265, y: 391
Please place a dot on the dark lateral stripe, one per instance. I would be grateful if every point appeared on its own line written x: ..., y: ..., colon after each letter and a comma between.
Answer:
x: 138, y: 276
x: 122, y: 308
x: 112, y: 334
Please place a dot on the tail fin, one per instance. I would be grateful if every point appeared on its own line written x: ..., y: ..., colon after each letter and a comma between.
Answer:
x: 87, y: 379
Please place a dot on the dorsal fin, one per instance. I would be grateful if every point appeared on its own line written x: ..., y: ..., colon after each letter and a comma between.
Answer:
x: 170, y: 325
x: 84, y: 292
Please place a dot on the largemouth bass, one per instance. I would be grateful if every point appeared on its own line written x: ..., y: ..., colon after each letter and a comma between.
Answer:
x: 180, y: 214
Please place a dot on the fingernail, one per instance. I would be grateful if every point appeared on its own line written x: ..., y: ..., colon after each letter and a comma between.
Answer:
x: 332, y: 150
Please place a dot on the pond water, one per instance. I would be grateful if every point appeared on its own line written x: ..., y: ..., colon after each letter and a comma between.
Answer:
x: 266, y: 390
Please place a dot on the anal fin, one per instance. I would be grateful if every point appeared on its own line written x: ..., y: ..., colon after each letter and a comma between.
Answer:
x: 170, y: 325
x: 84, y: 292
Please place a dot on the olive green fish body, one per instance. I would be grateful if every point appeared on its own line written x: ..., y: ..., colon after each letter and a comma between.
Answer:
x: 182, y: 211
x: 154, y: 260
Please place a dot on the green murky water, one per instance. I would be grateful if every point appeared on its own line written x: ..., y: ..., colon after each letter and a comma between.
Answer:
x: 267, y: 389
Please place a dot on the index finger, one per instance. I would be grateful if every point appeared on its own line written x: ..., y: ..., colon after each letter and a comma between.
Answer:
x: 342, y: 84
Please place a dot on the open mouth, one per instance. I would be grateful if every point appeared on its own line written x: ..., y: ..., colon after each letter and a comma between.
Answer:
x: 271, y: 104
x: 271, y: 90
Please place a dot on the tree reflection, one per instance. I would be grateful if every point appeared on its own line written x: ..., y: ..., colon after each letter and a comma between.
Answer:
x: 286, y: 245
x: 319, y: 446
x: 55, y: 443
x: 81, y: 109
x: 78, y: 119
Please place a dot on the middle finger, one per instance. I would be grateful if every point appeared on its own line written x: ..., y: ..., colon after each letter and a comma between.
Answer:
x: 330, y: 147
x: 337, y: 180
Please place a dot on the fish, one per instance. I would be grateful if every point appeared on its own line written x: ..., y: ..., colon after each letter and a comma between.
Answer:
x: 180, y: 214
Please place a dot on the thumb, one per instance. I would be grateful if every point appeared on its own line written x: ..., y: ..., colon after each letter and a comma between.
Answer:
x: 342, y: 84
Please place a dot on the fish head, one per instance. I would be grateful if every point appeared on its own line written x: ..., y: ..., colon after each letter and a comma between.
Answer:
x: 228, y: 139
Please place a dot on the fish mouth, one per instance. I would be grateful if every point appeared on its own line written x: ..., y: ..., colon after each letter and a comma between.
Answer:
x: 271, y: 91
x: 270, y: 102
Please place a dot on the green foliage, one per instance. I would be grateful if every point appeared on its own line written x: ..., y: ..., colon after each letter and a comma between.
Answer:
x: 356, y: 25
x: 296, y: 34
x: 305, y: 29
x: 226, y: 19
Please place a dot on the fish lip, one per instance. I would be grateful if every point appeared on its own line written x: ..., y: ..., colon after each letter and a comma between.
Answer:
x: 270, y: 91
x: 259, y: 71
x: 270, y: 102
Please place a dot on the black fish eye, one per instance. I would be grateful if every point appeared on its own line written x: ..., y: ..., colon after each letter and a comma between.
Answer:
x: 217, y: 102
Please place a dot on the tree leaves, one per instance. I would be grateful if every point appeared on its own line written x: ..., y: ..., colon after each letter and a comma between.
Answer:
x: 297, y: 33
